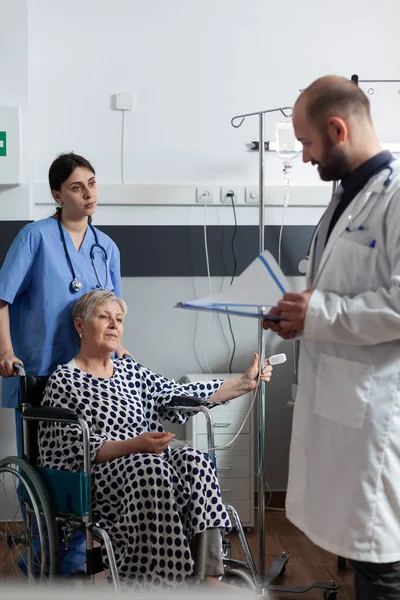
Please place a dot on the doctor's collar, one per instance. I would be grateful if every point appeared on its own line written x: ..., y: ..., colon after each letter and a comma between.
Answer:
x: 354, y: 182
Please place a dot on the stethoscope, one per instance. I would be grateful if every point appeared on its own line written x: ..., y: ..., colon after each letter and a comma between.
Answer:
x: 302, y: 265
x: 75, y: 284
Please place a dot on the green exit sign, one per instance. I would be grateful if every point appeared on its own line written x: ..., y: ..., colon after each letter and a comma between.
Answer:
x: 3, y: 143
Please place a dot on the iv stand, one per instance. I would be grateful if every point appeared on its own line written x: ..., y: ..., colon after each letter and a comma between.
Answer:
x: 278, y: 566
x: 357, y: 80
x: 261, y: 339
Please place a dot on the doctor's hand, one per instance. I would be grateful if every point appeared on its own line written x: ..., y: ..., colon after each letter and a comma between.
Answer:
x: 6, y: 365
x: 267, y: 324
x: 293, y: 309
x: 275, y: 326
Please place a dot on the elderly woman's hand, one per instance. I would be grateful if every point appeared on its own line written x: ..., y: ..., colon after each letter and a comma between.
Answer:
x: 153, y: 442
x: 238, y: 386
x: 250, y: 378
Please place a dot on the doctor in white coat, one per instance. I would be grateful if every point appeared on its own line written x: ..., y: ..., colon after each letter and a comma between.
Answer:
x: 344, y: 476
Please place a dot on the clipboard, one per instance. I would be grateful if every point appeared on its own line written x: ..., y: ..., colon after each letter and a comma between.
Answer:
x: 252, y: 294
x: 229, y: 310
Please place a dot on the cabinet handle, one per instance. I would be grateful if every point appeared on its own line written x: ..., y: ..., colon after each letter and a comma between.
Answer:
x: 226, y: 490
x: 225, y: 469
x: 221, y: 424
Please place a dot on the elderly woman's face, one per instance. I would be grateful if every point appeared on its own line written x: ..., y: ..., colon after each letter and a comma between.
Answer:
x: 104, y: 327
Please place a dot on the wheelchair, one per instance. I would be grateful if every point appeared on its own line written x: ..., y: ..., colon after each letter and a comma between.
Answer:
x: 45, y: 506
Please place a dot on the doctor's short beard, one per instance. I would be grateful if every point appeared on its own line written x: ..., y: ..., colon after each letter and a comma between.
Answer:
x: 334, y: 165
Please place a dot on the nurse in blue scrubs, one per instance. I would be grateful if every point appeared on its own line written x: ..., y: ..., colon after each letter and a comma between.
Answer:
x: 49, y: 265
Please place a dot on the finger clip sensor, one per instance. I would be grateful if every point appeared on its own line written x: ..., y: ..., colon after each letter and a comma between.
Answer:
x: 277, y: 359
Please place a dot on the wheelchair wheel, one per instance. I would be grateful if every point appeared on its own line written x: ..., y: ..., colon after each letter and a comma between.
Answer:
x: 238, y: 578
x: 28, y: 533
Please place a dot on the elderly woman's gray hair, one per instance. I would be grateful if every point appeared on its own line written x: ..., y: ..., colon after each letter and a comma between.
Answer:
x: 88, y: 302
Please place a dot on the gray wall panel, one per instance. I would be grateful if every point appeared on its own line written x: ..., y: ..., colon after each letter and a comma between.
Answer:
x: 178, y: 251
x: 8, y: 231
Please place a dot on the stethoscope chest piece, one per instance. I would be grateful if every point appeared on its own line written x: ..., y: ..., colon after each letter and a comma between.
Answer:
x: 302, y: 266
x: 76, y: 285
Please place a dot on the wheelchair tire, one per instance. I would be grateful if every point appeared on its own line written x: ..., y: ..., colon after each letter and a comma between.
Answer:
x: 239, y: 579
x: 30, y: 534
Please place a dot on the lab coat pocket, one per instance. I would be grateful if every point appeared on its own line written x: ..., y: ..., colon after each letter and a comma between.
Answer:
x: 350, y: 268
x: 342, y: 390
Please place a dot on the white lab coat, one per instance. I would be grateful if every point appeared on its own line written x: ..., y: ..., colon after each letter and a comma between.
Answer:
x: 344, y: 476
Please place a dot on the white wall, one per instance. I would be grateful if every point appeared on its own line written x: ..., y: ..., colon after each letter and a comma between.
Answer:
x: 191, y: 65
x: 14, y: 91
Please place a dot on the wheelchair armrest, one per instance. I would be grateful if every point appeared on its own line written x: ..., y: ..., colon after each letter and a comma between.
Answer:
x: 187, y: 402
x: 50, y: 413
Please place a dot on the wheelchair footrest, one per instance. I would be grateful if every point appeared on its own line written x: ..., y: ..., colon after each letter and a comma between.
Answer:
x: 94, y: 561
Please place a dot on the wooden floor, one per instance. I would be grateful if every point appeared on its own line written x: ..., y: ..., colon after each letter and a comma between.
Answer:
x: 307, y: 562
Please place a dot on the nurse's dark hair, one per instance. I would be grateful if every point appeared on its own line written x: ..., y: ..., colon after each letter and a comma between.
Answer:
x: 335, y: 96
x: 62, y: 167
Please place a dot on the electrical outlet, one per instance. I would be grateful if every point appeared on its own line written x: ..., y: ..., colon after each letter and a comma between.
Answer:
x: 226, y: 195
x: 204, y: 194
x: 252, y: 195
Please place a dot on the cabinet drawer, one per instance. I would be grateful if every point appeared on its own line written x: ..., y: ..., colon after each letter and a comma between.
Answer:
x: 241, y: 403
x: 225, y: 421
x: 234, y: 489
x: 240, y: 447
x: 235, y: 467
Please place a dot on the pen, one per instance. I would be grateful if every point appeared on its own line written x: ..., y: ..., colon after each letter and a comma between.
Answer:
x: 372, y: 244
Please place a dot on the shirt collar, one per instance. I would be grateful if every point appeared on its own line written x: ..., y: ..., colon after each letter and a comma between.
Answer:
x: 354, y: 182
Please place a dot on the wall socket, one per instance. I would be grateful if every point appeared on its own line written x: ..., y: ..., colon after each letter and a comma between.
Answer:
x: 204, y: 194
x: 252, y: 195
x: 226, y: 192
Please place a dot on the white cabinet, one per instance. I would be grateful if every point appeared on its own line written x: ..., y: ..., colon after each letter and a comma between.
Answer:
x: 235, y: 465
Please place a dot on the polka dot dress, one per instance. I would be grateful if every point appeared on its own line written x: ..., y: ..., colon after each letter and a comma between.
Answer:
x: 151, y: 505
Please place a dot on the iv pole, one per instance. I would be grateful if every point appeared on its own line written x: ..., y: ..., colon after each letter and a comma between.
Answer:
x: 261, y: 339
x: 278, y: 566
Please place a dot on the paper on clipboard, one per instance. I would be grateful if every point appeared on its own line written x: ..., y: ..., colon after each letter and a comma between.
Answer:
x: 261, y: 285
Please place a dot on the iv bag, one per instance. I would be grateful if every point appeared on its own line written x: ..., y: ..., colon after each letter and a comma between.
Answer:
x: 287, y: 147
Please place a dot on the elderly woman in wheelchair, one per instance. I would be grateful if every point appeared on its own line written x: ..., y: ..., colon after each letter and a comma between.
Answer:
x: 162, y: 508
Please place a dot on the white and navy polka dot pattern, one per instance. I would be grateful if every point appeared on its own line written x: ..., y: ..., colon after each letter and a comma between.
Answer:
x: 151, y: 505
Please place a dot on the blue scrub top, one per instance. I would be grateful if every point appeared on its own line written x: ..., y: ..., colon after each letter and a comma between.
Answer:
x: 35, y: 281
